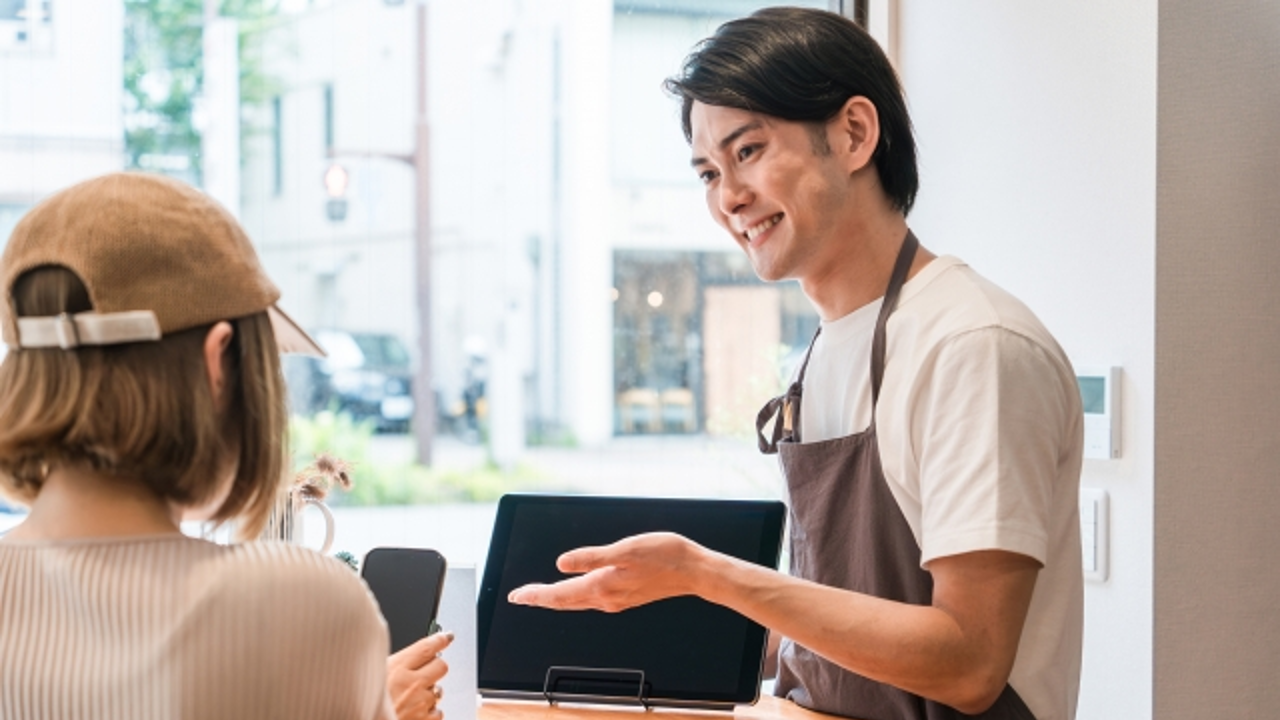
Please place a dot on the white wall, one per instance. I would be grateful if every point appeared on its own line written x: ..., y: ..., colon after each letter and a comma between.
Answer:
x: 61, y: 109
x: 1036, y: 125
x: 1217, y: 642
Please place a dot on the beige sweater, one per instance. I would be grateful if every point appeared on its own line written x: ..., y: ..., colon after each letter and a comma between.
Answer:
x: 170, y: 627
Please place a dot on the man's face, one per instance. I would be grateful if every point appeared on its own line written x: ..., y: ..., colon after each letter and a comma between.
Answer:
x: 779, y: 196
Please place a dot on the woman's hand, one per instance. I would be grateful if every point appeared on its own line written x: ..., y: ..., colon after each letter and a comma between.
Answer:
x: 412, y: 675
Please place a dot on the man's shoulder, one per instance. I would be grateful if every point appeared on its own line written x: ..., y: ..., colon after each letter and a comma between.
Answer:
x: 951, y: 299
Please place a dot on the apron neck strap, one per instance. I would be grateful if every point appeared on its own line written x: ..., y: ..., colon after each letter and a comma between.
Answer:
x: 807, y: 353
x: 899, y: 278
x: 784, y: 410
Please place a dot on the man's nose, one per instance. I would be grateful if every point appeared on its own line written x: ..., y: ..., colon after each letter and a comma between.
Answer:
x: 734, y: 195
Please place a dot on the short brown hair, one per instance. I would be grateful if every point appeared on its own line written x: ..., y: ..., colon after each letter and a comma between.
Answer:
x: 143, y: 411
x: 803, y: 65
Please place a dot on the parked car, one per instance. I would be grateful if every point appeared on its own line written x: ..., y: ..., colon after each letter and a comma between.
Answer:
x: 366, y: 375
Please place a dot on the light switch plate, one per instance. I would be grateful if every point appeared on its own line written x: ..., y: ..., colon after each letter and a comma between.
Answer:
x: 1095, y: 533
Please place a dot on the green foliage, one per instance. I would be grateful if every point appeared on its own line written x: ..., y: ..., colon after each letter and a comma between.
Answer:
x: 349, y: 559
x: 334, y: 433
x: 548, y: 435
x: 164, y: 75
x: 381, y: 483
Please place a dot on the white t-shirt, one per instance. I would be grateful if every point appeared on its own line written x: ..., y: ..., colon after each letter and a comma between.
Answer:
x: 174, y: 628
x: 980, y: 432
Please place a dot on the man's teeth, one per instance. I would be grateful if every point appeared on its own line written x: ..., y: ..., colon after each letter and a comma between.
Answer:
x: 755, y: 230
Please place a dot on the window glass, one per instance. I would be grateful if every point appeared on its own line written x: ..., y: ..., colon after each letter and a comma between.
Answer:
x: 589, y: 328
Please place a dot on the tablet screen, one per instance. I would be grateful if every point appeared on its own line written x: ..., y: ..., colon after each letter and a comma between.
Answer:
x: 688, y: 649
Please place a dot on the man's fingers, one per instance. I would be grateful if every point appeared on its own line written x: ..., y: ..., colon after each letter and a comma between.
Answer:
x: 585, y: 559
x: 423, y: 651
x: 572, y: 594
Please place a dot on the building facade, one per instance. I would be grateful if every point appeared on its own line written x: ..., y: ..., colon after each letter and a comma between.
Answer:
x: 61, y: 98
x: 573, y: 256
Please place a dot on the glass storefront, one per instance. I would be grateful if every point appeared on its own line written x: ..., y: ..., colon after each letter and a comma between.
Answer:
x: 698, y: 340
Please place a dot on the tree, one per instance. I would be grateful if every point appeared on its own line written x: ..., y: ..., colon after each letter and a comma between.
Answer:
x: 164, y: 74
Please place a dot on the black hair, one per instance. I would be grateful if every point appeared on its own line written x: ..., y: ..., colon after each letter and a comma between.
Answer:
x: 803, y: 65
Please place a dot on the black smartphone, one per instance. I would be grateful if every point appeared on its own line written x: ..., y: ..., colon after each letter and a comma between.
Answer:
x: 407, y: 583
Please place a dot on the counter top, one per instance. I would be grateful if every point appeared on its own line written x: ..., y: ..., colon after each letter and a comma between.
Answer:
x: 768, y: 708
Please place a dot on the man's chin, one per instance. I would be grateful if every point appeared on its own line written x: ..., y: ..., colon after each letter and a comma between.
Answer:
x: 767, y: 271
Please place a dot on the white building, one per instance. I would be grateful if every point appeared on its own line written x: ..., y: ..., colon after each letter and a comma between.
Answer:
x: 61, y: 98
x: 559, y: 180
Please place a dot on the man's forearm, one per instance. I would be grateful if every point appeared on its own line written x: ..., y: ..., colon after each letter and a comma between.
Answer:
x: 927, y: 650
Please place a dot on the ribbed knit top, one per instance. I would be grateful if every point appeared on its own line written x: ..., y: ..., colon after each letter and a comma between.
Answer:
x: 170, y: 627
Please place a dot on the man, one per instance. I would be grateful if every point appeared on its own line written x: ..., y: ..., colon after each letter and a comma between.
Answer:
x: 932, y: 439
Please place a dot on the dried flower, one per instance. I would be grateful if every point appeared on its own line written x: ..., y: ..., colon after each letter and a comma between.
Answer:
x: 314, y: 481
x: 336, y: 469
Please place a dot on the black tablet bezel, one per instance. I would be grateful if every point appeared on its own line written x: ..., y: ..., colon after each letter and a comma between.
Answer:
x: 754, y: 641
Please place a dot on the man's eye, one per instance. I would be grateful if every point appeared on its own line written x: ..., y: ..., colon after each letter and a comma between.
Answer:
x: 707, y: 176
x: 746, y: 151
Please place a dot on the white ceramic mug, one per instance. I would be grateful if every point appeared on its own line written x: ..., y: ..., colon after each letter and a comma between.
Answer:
x: 285, y: 521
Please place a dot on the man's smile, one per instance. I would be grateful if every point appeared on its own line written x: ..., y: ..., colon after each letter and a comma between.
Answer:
x: 755, y: 231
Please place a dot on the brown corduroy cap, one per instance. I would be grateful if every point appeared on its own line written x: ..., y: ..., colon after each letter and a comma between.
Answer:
x: 156, y: 256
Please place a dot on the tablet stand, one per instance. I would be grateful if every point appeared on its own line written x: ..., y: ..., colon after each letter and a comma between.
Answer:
x: 614, y: 686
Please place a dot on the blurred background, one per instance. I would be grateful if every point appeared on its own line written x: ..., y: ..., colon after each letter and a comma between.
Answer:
x: 483, y: 211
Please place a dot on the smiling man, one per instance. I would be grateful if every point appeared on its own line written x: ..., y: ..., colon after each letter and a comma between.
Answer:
x: 931, y: 440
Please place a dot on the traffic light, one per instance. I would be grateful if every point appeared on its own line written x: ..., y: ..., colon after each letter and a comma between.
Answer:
x: 335, y: 184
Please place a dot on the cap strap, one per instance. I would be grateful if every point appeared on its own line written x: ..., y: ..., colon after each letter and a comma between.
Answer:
x: 71, y: 331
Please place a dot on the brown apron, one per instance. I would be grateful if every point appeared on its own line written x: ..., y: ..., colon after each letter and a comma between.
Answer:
x: 847, y: 531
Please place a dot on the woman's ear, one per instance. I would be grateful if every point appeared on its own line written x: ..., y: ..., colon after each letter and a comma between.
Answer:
x: 854, y: 133
x: 215, y: 347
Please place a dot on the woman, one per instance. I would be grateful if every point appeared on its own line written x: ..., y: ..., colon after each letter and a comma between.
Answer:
x: 143, y: 387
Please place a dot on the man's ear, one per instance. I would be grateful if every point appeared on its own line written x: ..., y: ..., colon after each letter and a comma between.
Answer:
x: 215, y: 347
x: 854, y: 133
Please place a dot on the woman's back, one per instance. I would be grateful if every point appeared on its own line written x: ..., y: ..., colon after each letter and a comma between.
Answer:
x: 173, y: 627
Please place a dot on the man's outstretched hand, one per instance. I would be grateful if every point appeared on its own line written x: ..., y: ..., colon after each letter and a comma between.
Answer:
x: 629, y: 573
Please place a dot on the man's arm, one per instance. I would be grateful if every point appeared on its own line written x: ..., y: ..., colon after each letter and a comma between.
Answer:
x: 958, y: 651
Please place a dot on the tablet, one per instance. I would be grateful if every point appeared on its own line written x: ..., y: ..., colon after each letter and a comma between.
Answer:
x: 682, y: 652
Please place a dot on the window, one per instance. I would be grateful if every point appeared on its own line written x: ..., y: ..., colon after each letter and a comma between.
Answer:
x: 591, y: 329
x: 26, y: 25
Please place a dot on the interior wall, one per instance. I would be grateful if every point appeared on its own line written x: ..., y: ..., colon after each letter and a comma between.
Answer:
x: 1217, y: 360
x: 1036, y: 126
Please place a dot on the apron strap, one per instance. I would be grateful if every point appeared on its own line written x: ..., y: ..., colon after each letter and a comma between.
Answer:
x: 900, y: 269
x: 784, y: 410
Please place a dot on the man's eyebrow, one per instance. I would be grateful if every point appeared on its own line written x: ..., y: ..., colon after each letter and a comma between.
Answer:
x: 728, y: 139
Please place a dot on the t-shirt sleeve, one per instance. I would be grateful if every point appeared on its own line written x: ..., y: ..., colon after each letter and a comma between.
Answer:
x: 991, y: 420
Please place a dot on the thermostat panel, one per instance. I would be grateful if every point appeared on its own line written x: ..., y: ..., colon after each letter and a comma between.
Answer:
x: 1100, y: 396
